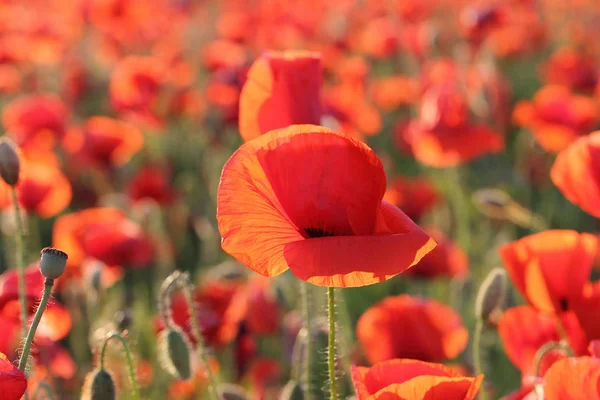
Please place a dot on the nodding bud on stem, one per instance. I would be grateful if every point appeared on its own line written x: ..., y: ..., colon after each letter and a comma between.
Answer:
x: 53, y: 262
x: 491, y: 294
x: 292, y: 391
x: 10, y: 165
x: 176, y: 353
x: 492, y: 202
x: 99, y: 385
x: 230, y: 391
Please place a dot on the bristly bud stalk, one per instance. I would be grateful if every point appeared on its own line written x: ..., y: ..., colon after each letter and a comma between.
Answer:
x: 132, y: 376
x: 176, y: 353
x: 10, y: 165
x: 491, y: 294
x: 99, y: 385
x: 53, y: 262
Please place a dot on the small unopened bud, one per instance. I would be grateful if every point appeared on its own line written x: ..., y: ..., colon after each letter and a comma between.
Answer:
x: 10, y: 165
x: 491, y: 294
x: 492, y: 202
x: 292, y: 391
x: 99, y: 385
x: 53, y: 262
x: 230, y: 391
x: 176, y: 353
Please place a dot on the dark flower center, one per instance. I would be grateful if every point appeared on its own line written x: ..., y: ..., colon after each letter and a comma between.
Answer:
x: 564, y: 304
x: 317, y: 232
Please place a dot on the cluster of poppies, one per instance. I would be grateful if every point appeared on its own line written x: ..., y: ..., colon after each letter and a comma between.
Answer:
x: 220, y: 172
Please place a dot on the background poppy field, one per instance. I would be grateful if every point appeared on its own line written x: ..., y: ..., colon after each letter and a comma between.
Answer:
x: 124, y: 113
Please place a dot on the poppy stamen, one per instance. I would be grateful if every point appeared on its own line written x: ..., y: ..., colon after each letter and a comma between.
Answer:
x: 317, y: 232
x: 564, y: 304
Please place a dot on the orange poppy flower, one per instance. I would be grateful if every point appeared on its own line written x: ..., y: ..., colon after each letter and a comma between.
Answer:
x: 556, y: 117
x: 304, y: 210
x: 35, y: 117
x: 572, y: 379
x: 524, y: 330
x: 104, y: 141
x: 571, y: 68
x: 550, y: 268
x: 403, y: 379
x: 415, y: 196
x: 223, y: 54
x: 575, y: 173
x: 408, y: 327
x: 282, y: 89
x: 42, y: 189
x: 446, y: 260
x: 12, y: 380
x: 378, y: 38
x: 443, y: 135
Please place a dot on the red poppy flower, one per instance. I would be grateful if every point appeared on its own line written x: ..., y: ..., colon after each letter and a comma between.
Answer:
x: 378, y: 38
x: 524, y: 330
x: 571, y: 68
x: 223, y: 54
x: 446, y: 260
x: 282, y: 89
x: 409, y: 327
x: 151, y: 183
x: 263, y: 373
x: 550, y: 268
x: 414, y: 196
x: 12, y: 380
x: 586, y: 308
x: 556, y: 117
x: 29, y: 118
x: 310, y: 199
x: 575, y: 173
x: 403, y: 379
x: 573, y: 378
x: 443, y: 135
x: 393, y: 91
x: 42, y: 189
x: 104, y: 141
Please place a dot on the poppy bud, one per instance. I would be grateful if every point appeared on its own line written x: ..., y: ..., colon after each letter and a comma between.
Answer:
x: 292, y: 391
x: 491, y: 294
x: 9, y: 161
x: 492, y: 202
x: 99, y: 385
x: 175, y: 352
x: 229, y: 391
x: 53, y: 262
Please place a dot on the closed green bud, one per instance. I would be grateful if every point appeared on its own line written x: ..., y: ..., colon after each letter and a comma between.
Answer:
x: 53, y: 262
x: 99, y: 385
x: 175, y: 352
x: 491, y: 294
x: 10, y: 165
x: 230, y: 391
x: 292, y: 391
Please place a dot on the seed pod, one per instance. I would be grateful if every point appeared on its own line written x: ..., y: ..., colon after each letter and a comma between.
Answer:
x: 230, y: 391
x: 99, y: 385
x: 292, y: 391
x: 491, y: 294
x: 10, y: 165
x: 175, y: 352
x: 53, y: 262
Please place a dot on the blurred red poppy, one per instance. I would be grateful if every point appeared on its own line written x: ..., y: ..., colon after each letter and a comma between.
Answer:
x: 550, y: 268
x: 401, y: 379
x: 443, y: 136
x: 282, y: 89
x: 446, y: 260
x: 414, y: 196
x: 571, y: 68
x: 152, y: 182
x: 332, y: 228
x: 104, y: 141
x: 524, y: 330
x: 556, y: 117
x: 409, y: 327
x: 35, y: 117
x: 42, y: 190
x: 391, y: 92
x: 12, y: 380
x: 575, y: 173
x: 573, y: 378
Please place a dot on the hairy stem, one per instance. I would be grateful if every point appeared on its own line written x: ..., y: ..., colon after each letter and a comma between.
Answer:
x: 306, y: 313
x: 477, y: 354
x: 116, y: 335
x: 331, y: 344
x: 19, y: 248
x: 48, y: 283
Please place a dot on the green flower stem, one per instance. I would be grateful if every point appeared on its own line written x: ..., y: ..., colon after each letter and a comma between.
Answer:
x: 306, y: 311
x: 539, y: 355
x: 477, y: 354
x: 48, y: 283
x: 331, y: 348
x: 116, y: 335
x: 20, y: 261
x: 187, y: 290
